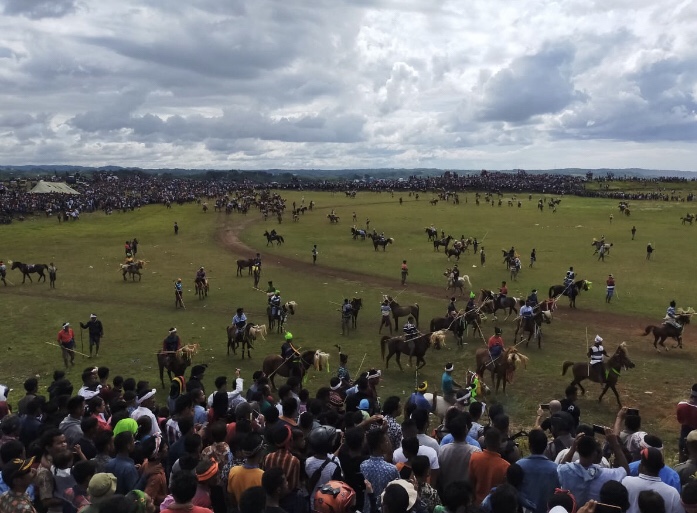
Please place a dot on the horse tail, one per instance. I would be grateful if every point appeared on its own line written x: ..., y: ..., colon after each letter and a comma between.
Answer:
x: 383, y: 342
x: 467, y: 279
x: 551, y: 291
x: 281, y: 239
x: 565, y: 366
x: 648, y: 330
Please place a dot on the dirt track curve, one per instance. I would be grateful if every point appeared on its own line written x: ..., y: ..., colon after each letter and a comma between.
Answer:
x: 631, y: 326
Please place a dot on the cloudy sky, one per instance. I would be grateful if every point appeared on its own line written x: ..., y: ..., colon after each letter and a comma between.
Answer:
x: 259, y: 84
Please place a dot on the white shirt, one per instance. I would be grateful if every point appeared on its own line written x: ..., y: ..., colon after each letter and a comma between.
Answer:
x: 428, y: 442
x: 634, y: 485
x: 140, y: 412
x: 232, y: 397
x: 398, y: 456
x: 603, y: 462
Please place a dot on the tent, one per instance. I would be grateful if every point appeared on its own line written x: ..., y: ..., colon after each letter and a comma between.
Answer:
x: 52, y: 188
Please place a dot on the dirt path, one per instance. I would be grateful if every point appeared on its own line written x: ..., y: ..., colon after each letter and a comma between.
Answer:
x: 228, y: 236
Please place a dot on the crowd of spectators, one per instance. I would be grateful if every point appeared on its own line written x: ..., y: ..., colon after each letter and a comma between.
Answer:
x: 109, y: 447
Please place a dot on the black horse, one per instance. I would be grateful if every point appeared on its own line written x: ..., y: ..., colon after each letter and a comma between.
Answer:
x: 28, y: 269
x: 233, y: 341
x: 445, y: 242
x: 571, y: 291
x: 377, y: 241
x: 491, y: 303
x: 273, y: 237
x: 279, y: 320
x: 533, y: 326
x: 454, y: 324
x: 356, y: 305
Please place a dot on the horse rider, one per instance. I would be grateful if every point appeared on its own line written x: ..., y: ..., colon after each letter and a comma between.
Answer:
x: 127, y: 248
x: 671, y: 317
x: 418, y: 399
x: 448, y: 384
x: 275, y: 304
x: 532, y: 298
x: 495, y: 344
x: 452, y: 309
x: 3, y: 272
x: 596, y: 354
x: 517, y: 263
x: 289, y: 353
x: 178, y: 292
x: 470, y: 303
x: 456, y: 274
x: 66, y: 340
x: 346, y: 311
x: 527, y: 312
x: 511, y: 254
x: 239, y: 321
x: 503, y: 292
x: 410, y: 334
x: 271, y: 289
x: 569, y: 278
x: 385, y: 312
x: 201, y: 276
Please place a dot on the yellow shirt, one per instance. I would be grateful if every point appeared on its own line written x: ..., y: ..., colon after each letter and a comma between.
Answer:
x: 241, y: 478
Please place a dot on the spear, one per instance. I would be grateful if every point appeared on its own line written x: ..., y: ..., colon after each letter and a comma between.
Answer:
x: 71, y: 350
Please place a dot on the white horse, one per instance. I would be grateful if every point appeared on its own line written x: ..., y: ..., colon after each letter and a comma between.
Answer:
x: 258, y: 330
x: 459, y: 284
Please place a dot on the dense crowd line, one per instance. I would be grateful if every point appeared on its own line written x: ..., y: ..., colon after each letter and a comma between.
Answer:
x: 108, y: 446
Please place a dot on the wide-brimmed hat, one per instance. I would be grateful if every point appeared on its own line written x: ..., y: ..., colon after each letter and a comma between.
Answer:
x: 408, y: 487
x: 101, y: 487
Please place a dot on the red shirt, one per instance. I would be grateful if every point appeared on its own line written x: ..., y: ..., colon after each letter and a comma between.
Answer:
x: 495, y: 340
x: 487, y: 470
x: 503, y: 290
x: 687, y: 414
x: 65, y: 336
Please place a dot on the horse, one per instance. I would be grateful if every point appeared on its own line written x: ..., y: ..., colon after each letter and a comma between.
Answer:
x: 275, y: 364
x: 271, y: 237
x: 201, y: 287
x: 442, y: 406
x: 597, y: 244
x: 245, y: 338
x: 453, y: 252
x: 281, y: 316
x: 402, y: 311
x: 381, y: 242
x: 397, y: 346
x: 459, y: 284
x: 356, y: 305
x: 454, y: 324
x: 618, y: 361
x: 437, y: 243
x: 502, y: 368
x: 432, y: 234
x: 133, y: 268
x: 175, y: 363
x: 491, y: 303
x: 571, y: 291
x: 661, y: 333
x: 242, y: 263
x: 357, y: 233
x: 333, y: 218
x: 28, y: 269
x: 533, y: 326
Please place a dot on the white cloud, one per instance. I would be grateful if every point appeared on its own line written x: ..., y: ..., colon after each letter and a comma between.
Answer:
x: 343, y: 83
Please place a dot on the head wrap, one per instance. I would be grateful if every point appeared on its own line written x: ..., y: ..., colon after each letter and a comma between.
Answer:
x: 206, y: 470
x: 126, y: 425
x: 598, y: 339
x: 66, y: 324
x: 422, y: 387
x: 449, y: 367
x: 145, y: 395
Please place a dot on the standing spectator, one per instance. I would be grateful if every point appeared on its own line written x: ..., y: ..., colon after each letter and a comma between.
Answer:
x: 154, y: 450
x: 487, y: 469
x: 427, y: 494
x: 633, y: 232
x: 568, y: 404
x: 104, y: 445
x: 540, y: 476
x: 176, y: 228
x: 585, y: 478
x: 52, y: 270
x: 649, y: 250
x: 686, y: 414
x: 454, y: 458
x: 650, y: 466
x: 314, y: 254
x: 31, y: 387
x: 100, y: 489
x: 96, y: 332
x: 183, y: 488
x: 405, y: 272
x: 245, y: 476
x: 77, y: 495
x: 275, y: 486
x: 688, y: 468
x: 482, y: 257
x: 390, y: 412
x: 66, y: 339
x: 281, y: 457
x: 146, y: 404
x: 666, y: 474
x: 351, y: 455
x: 533, y: 256
x: 122, y: 466
x: 322, y: 466
x: 610, y: 286
x: 376, y: 469
x: 18, y: 474
x: 70, y: 426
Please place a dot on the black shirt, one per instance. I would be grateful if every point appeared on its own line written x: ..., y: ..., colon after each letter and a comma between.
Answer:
x: 572, y: 409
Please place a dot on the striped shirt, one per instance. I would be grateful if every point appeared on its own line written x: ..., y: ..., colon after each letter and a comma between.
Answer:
x: 285, y: 460
x: 597, y: 354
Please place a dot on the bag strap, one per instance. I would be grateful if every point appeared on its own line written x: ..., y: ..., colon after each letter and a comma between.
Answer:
x: 314, y: 479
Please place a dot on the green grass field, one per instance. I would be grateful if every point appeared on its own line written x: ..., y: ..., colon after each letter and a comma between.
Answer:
x: 137, y: 316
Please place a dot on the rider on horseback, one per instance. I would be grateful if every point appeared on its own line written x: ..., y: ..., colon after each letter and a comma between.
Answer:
x: 171, y: 345
x: 495, y: 344
x: 290, y: 354
x: 239, y: 321
x: 569, y: 278
x: 452, y: 309
x: 201, y: 276
x: 275, y: 304
x: 596, y: 354
x: 526, y: 311
x: 456, y: 274
x: 470, y: 304
x: 448, y: 384
x: 410, y: 334
x: 503, y: 292
x: 670, y: 317
x: 532, y: 298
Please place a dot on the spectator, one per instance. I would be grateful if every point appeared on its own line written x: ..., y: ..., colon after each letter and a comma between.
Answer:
x: 688, y: 468
x: 509, y: 449
x: 428, y: 496
x: 399, y: 496
x: 585, y: 478
x: 649, y: 467
x: 540, y: 476
x: 514, y: 479
x: 104, y: 445
x: 351, y: 455
x: 146, y: 405
x: 322, y: 466
x: 10, y: 428
x: 31, y: 387
x: 253, y: 500
x: 209, y: 493
x: 154, y: 450
x: 100, y: 489
x: 666, y: 474
x: 476, y: 410
x: 245, y: 476
x: 630, y: 437
x: 454, y: 458
x: 568, y: 404
x: 561, y: 424
x: 504, y: 499
x: 686, y: 414
x: 376, y: 469
x: 614, y: 493
x: 688, y: 496
x: 52, y: 444
x: 275, y: 486
x: 70, y: 426
x: 122, y: 466
x: 457, y: 497
x: 183, y: 488
x: 32, y: 421
x: 420, y: 418
x: 78, y: 495
x: 18, y: 474
x: 415, y: 449
x: 586, y: 430
x: 650, y: 501
x: 390, y: 412
x: 89, y: 427
x: 487, y: 469
x: 13, y: 450
x: 450, y: 414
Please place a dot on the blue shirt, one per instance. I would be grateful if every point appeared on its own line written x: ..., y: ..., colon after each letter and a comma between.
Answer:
x: 124, y: 469
x: 539, y: 481
x: 447, y: 383
x: 200, y: 414
x: 380, y: 473
x: 420, y: 401
x: 448, y: 439
x: 4, y: 488
x: 585, y: 483
x: 666, y: 474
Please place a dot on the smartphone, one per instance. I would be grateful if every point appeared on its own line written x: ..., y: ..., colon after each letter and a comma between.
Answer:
x: 611, y: 506
x: 378, y: 421
x: 544, y: 406
x: 598, y: 429
x: 633, y: 411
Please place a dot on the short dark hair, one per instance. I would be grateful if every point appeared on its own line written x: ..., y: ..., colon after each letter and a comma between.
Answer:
x: 31, y: 385
x: 410, y: 445
x: 272, y: 480
x: 183, y: 402
x: 420, y: 465
x: 504, y: 498
x: 476, y: 409
x: 615, y: 494
x: 457, y: 494
x: 122, y: 441
x: 391, y: 405
x: 632, y: 422
x: 103, y: 372
x: 395, y: 498
x: 586, y: 446
x: 537, y: 441
x: 570, y: 390
x: 185, y: 425
x: 651, y: 502
x: 420, y: 418
x: 354, y: 438
x: 289, y: 406
x: 253, y: 500
x: 375, y: 438
x: 10, y: 450
x: 102, y: 439
x: 83, y: 470
x: 183, y: 487
x: 218, y: 431
x: 458, y: 427
x: 501, y: 422
x: 492, y: 439
x: 48, y: 436
x: 515, y: 475
x: 88, y: 424
x: 76, y: 402
x: 192, y: 442
x: 220, y: 381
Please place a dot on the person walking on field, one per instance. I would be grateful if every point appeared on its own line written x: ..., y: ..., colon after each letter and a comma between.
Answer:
x: 66, y: 339
x: 52, y: 270
x: 385, y: 312
x: 96, y: 332
x: 633, y: 232
x: 533, y: 257
x: 610, y: 283
x: 176, y: 228
x: 405, y: 272
x: 314, y: 254
x: 649, y: 250
x: 482, y: 257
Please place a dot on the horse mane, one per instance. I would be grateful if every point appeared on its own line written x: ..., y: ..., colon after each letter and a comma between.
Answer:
x: 437, y: 337
x: 321, y: 360
x: 623, y: 348
x: 688, y: 311
x: 188, y: 351
x: 514, y: 357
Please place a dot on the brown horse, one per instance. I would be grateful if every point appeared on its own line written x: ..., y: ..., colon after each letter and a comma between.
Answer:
x: 133, y: 268
x: 201, y: 287
x: 661, y: 333
x: 492, y: 302
x: 502, y: 367
x: 241, y: 264
x: 397, y: 346
x: 533, y: 326
x: 615, y: 364
x: 242, y: 338
x: 174, y: 364
x: 402, y: 311
x: 274, y: 364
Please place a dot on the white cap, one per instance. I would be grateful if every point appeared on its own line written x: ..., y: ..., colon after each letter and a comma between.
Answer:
x: 598, y: 338
x: 66, y: 324
x: 558, y: 509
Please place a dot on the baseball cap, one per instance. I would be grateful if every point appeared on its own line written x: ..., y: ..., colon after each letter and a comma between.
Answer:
x: 16, y: 468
